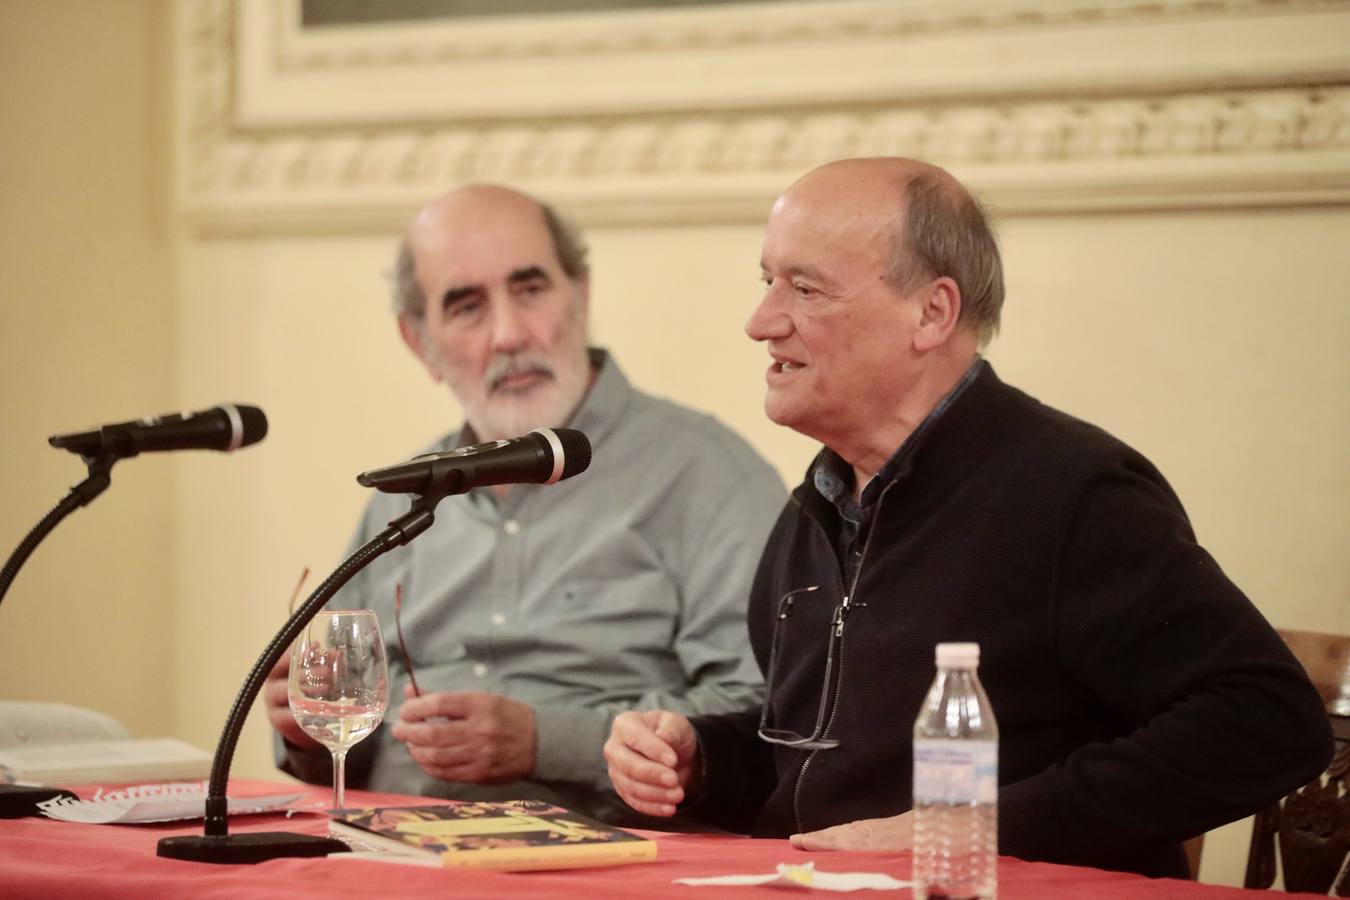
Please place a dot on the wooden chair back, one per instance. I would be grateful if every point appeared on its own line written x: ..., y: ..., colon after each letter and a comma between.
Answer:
x: 1312, y: 825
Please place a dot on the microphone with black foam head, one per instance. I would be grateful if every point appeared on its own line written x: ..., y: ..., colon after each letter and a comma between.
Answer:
x: 544, y: 456
x: 226, y: 427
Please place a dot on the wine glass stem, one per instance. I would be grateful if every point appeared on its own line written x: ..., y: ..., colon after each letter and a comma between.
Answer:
x: 339, y: 779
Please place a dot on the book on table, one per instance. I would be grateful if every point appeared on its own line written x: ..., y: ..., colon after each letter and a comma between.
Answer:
x: 90, y: 762
x: 512, y: 836
x: 61, y: 744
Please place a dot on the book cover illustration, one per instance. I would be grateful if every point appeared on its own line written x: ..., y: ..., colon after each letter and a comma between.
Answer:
x: 514, y: 835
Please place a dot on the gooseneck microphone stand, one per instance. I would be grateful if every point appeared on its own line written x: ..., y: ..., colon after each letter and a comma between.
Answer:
x: 217, y: 845
x: 82, y: 494
x: 19, y: 800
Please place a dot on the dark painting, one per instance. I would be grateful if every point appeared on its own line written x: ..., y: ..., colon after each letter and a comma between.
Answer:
x: 318, y: 13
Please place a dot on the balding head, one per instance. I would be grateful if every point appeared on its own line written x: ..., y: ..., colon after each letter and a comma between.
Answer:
x: 938, y: 229
x: 867, y: 184
x: 466, y: 208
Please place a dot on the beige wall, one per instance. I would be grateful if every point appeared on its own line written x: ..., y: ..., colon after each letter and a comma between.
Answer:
x: 1211, y: 340
x: 1214, y: 343
x: 86, y: 330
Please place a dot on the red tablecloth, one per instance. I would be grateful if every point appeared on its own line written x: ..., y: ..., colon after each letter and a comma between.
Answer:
x: 42, y: 858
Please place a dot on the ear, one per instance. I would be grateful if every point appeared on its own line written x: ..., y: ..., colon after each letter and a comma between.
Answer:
x: 415, y: 335
x: 939, y: 311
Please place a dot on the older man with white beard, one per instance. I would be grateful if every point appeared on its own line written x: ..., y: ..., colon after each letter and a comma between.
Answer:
x: 533, y: 615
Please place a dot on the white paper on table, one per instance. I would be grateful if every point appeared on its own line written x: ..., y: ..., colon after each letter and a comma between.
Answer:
x: 154, y: 803
x: 806, y: 876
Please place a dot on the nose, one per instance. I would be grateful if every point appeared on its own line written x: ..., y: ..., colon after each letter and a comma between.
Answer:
x: 509, y: 329
x: 768, y: 321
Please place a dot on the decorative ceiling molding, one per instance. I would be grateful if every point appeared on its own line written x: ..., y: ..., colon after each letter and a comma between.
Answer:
x: 1135, y: 146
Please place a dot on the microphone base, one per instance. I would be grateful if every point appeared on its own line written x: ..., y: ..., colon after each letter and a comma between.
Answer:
x: 246, y: 848
x: 19, y: 800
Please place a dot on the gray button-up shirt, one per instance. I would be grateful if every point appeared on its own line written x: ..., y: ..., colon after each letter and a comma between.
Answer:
x: 622, y: 588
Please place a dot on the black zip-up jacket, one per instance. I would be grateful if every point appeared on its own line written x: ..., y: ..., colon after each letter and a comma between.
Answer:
x: 1141, y: 699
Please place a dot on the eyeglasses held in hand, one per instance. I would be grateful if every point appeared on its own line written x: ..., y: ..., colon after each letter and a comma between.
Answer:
x: 295, y: 594
x: 402, y: 645
x: 785, y: 737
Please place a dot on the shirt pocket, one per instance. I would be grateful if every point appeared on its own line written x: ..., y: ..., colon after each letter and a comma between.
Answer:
x: 638, y: 610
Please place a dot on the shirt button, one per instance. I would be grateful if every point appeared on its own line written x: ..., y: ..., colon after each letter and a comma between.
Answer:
x: 511, y: 527
x: 480, y: 670
x: 498, y: 619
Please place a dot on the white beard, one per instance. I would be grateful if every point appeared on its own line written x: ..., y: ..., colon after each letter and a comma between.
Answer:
x: 504, y: 414
x: 548, y: 405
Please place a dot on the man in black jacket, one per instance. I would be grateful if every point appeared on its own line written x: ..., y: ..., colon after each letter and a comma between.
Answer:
x: 1141, y: 698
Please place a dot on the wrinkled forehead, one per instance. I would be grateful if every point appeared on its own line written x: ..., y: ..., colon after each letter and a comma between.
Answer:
x: 481, y: 244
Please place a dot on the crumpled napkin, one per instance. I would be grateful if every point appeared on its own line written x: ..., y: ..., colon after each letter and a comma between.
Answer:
x: 155, y: 803
x: 806, y: 877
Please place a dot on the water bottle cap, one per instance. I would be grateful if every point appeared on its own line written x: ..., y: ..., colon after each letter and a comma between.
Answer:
x: 958, y: 656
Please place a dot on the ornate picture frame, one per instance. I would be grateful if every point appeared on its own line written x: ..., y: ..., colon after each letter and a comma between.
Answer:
x: 704, y: 113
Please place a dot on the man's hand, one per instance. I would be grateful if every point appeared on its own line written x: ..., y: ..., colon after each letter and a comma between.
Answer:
x: 653, y: 760
x: 468, y: 736
x: 279, y: 707
x: 890, y: 834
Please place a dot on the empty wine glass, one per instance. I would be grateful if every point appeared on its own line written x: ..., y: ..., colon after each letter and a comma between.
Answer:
x: 339, y: 684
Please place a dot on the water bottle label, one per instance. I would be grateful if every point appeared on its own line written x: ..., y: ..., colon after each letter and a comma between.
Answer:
x: 947, y: 771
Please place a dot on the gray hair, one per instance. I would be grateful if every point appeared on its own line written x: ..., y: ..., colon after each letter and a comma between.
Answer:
x: 943, y: 232
x: 568, y: 244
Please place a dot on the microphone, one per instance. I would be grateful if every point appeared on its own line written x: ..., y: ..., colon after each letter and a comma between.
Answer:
x: 226, y: 427
x: 544, y: 456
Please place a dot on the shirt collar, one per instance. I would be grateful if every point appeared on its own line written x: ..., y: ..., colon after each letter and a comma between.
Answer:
x: 833, y: 477
x: 602, y: 408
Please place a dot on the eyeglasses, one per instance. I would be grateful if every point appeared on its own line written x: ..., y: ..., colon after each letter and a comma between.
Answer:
x: 783, y: 736
x: 295, y: 594
x: 402, y: 645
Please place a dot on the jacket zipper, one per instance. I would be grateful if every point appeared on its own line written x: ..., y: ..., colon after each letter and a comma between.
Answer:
x: 844, y: 607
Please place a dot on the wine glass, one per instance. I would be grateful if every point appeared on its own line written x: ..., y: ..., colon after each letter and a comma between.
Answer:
x: 339, y: 684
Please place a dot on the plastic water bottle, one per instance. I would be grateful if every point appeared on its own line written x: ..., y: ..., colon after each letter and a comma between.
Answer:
x: 956, y: 783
